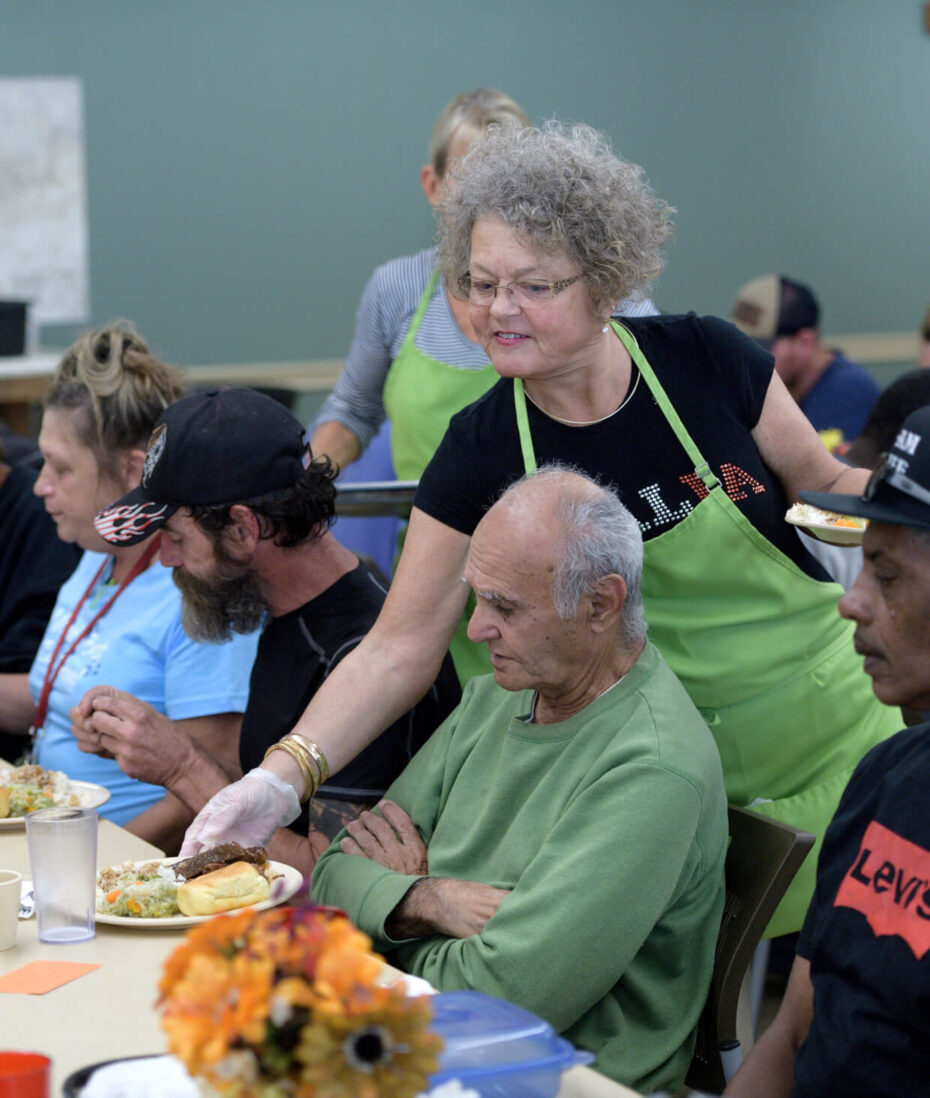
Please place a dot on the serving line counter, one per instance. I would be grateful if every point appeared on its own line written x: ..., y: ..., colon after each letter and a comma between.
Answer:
x: 24, y: 379
x: 109, y: 1012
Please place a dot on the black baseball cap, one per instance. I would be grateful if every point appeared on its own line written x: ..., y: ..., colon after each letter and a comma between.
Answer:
x: 898, y: 491
x: 209, y: 448
x: 774, y: 305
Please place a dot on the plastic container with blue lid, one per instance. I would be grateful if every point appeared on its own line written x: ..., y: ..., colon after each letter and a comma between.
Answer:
x: 498, y: 1049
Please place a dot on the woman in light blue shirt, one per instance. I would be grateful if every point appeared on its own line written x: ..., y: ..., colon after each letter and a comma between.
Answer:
x: 117, y: 620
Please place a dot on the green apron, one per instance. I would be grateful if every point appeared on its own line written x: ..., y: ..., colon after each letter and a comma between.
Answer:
x: 763, y: 652
x: 421, y: 394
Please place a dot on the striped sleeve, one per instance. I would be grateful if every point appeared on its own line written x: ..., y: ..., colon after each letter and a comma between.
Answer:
x: 381, y: 322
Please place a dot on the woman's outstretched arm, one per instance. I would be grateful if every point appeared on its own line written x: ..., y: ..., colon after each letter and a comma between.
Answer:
x: 389, y: 671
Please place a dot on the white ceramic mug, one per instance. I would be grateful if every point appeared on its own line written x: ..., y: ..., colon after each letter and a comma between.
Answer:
x: 10, y: 882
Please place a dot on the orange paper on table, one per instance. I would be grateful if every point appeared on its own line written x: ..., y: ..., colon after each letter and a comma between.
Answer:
x: 38, y: 977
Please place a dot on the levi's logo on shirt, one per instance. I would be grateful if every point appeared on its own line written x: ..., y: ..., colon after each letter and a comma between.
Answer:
x: 889, y: 883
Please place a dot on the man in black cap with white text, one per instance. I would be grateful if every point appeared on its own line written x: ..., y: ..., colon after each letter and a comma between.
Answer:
x: 245, y: 513
x: 855, y: 1019
x: 784, y: 316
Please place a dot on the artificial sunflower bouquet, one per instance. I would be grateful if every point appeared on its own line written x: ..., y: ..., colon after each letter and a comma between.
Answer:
x: 286, y: 1002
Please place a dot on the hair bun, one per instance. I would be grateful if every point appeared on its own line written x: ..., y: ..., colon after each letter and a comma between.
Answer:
x: 119, y: 384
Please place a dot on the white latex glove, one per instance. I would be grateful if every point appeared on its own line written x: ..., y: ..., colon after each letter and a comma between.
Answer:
x: 247, y: 812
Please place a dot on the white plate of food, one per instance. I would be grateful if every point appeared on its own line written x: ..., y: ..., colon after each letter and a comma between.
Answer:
x: 30, y: 787
x: 154, y: 889
x: 828, y: 526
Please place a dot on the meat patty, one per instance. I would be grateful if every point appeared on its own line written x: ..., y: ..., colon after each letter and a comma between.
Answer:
x: 224, y: 854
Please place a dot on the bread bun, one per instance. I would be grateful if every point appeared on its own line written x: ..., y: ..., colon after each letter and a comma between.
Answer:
x: 4, y: 802
x: 236, y: 885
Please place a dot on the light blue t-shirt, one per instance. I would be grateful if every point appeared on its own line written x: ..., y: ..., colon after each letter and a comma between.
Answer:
x: 138, y: 646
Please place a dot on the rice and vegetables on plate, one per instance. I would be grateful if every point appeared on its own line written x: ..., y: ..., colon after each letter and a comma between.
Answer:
x: 25, y: 788
x: 142, y: 890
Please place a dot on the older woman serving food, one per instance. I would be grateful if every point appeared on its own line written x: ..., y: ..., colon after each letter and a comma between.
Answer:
x: 546, y: 229
x: 415, y: 357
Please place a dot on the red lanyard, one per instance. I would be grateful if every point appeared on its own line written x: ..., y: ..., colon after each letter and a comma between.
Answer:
x: 51, y: 672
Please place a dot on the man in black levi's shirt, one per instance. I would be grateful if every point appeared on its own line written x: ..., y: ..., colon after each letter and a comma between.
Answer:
x: 856, y: 1015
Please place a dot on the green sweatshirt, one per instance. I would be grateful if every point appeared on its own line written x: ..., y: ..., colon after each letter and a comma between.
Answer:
x: 610, y: 831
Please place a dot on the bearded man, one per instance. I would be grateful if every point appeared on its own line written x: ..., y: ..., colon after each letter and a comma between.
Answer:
x: 245, y: 514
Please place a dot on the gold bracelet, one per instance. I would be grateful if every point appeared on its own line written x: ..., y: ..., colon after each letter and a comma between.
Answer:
x: 311, y: 781
x: 308, y: 756
x: 301, y: 746
x: 295, y: 743
x: 306, y: 773
x: 311, y: 755
x: 316, y: 754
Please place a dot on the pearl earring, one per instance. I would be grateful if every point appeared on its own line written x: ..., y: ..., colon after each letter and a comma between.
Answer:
x: 605, y: 329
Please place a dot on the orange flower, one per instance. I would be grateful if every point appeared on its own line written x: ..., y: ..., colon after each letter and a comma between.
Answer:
x: 293, y: 994
x: 220, y: 1002
x: 223, y: 934
x: 345, y: 971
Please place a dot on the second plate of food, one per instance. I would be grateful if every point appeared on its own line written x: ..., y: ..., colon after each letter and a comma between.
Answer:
x: 88, y: 794
x: 828, y: 526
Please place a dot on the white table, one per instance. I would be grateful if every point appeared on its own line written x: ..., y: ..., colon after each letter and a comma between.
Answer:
x: 110, y: 1012
x: 104, y: 1014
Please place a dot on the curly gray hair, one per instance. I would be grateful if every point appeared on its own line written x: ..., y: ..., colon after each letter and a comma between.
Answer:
x: 562, y: 190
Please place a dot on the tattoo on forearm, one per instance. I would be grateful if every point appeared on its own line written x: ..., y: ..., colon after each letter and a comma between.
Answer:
x: 331, y: 816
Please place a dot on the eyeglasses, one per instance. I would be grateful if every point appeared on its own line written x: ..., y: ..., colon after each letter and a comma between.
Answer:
x: 885, y: 473
x: 525, y: 293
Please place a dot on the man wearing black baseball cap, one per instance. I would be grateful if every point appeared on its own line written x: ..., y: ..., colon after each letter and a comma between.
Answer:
x: 784, y: 316
x: 211, y: 448
x: 854, y: 1019
x: 245, y: 514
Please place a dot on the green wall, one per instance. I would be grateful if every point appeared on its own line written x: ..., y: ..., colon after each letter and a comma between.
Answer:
x: 250, y: 161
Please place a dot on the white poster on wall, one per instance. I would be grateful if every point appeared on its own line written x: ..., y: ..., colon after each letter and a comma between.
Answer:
x: 43, y: 203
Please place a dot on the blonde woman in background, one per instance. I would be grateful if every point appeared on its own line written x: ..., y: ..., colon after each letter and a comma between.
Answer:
x: 414, y: 358
x: 117, y: 620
